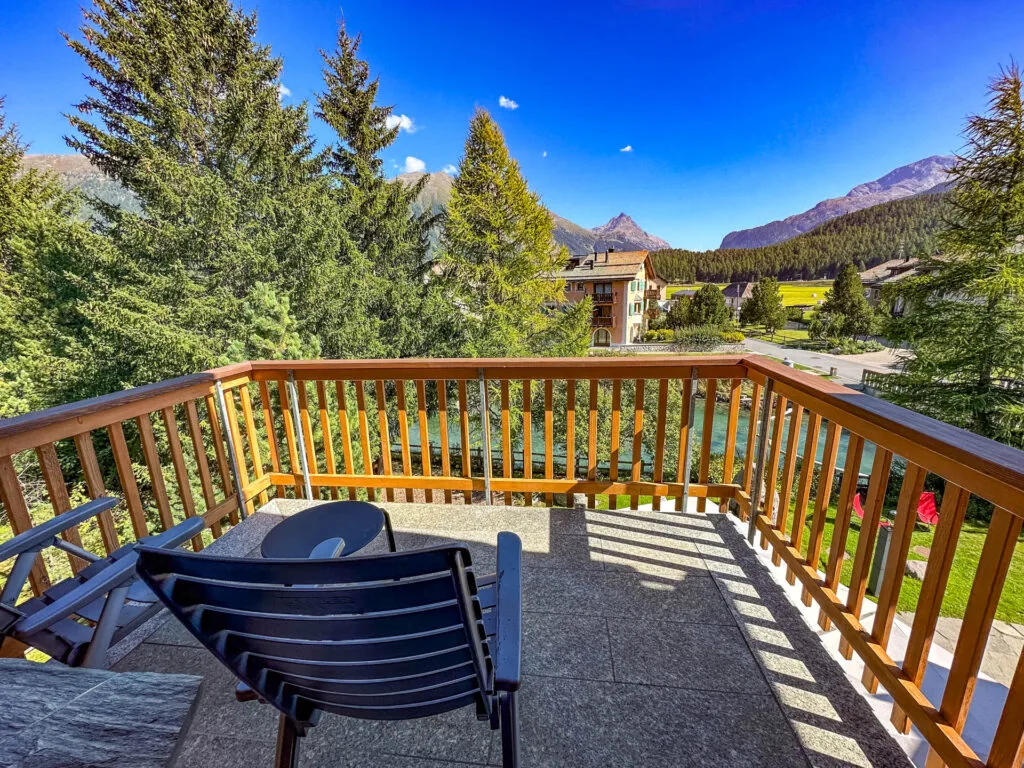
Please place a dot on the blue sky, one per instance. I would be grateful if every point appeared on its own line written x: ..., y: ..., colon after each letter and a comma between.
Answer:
x: 736, y: 113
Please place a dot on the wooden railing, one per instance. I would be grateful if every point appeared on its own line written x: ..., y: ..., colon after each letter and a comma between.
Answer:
x: 614, y: 428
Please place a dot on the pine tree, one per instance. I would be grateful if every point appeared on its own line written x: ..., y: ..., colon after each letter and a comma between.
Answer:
x: 386, y: 243
x: 846, y: 299
x: 964, y: 316
x: 707, y: 307
x: 497, y: 256
x: 186, y: 115
x: 764, y: 307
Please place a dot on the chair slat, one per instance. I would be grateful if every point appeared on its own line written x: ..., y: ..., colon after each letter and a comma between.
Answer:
x: 377, y: 656
x: 464, y: 684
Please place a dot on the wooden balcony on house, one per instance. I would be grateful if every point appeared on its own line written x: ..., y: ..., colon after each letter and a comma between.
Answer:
x: 652, y: 294
x: 602, y: 298
x: 602, y: 321
x: 736, y: 676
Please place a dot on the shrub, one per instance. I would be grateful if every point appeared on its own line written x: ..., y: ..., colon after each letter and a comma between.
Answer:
x: 658, y: 335
x: 732, y: 337
x: 696, y: 338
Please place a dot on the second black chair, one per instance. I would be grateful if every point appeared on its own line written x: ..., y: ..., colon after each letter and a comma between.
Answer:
x: 384, y: 637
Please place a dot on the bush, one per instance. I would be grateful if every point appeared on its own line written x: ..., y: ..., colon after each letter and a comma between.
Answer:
x: 732, y: 337
x: 695, y: 338
x: 658, y: 335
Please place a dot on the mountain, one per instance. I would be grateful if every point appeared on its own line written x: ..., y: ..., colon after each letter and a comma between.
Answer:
x: 620, y: 233
x: 76, y: 172
x: 924, y: 176
x: 866, y: 238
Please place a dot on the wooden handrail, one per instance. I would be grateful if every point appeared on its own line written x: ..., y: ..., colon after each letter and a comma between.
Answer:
x: 298, y: 410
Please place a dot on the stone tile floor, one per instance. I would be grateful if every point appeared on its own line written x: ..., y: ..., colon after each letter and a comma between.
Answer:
x: 650, y: 639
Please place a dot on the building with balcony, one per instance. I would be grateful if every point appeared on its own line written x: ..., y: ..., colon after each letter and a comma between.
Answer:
x: 622, y: 285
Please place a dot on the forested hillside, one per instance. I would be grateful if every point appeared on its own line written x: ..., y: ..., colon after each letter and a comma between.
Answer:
x: 865, y: 238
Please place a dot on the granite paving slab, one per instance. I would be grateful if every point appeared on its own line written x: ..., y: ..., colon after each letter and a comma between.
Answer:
x: 104, y: 719
x: 565, y: 645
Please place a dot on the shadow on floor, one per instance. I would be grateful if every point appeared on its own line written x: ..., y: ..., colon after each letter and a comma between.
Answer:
x: 650, y: 639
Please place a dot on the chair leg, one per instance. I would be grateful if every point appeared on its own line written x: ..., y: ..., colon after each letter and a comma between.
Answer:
x: 287, y: 744
x: 96, y: 655
x: 509, y: 705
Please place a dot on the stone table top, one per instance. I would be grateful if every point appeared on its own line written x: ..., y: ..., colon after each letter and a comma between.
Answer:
x: 54, y: 715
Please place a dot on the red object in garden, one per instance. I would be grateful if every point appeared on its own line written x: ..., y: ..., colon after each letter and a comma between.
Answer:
x: 857, y: 507
x: 927, y: 512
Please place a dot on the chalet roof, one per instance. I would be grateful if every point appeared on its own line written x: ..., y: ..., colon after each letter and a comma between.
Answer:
x: 884, y: 270
x: 738, y: 290
x: 606, y: 265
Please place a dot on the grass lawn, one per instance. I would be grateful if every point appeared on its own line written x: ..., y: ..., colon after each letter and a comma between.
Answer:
x: 965, y: 565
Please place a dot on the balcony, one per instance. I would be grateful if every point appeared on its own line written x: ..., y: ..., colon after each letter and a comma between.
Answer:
x: 602, y: 298
x: 597, y: 321
x: 655, y: 634
x: 652, y: 294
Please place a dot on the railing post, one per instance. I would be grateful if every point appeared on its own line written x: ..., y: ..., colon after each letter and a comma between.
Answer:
x: 485, y: 423
x: 222, y: 407
x: 687, y: 459
x: 293, y: 397
x: 762, y: 456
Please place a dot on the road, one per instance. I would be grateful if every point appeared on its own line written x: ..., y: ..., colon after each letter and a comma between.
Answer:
x: 849, y: 367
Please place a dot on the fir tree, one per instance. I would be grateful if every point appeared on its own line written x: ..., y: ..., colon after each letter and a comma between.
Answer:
x: 498, y: 256
x: 964, y: 317
x: 846, y: 299
x: 707, y: 307
x: 386, y: 244
x: 186, y: 115
x: 764, y: 307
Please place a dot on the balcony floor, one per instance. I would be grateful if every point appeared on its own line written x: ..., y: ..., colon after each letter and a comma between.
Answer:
x: 650, y: 639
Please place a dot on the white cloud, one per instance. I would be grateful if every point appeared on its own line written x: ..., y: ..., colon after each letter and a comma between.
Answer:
x: 627, y: 148
x: 544, y: 153
x: 403, y: 123
x: 283, y: 90
x: 507, y: 103
x: 450, y: 169
x: 413, y: 165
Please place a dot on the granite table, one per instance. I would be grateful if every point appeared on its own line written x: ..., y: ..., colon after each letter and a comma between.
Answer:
x: 52, y: 715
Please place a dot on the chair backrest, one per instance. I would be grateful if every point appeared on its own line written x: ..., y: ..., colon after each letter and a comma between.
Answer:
x: 384, y: 637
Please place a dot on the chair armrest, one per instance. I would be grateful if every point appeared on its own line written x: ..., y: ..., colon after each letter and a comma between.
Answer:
x: 509, y: 609
x: 114, y: 575
x: 39, y: 535
x: 176, y: 536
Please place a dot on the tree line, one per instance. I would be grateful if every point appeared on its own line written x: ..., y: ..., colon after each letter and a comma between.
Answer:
x: 249, y: 240
x: 863, y: 238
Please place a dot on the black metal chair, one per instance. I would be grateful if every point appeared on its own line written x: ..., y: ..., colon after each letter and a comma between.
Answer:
x: 76, y: 620
x: 383, y: 637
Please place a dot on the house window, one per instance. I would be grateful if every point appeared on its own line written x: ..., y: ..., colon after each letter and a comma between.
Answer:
x: 636, y: 308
